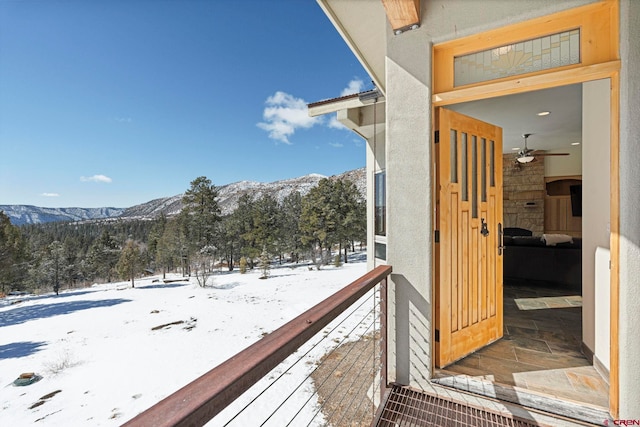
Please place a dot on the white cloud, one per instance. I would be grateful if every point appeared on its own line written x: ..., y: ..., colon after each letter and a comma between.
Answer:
x: 336, y: 144
x: 124, y: 119
x: 335, y: 124
x: 96, y: 178
x: 284, y: 114
x: 355, y: 86
x: 50, y: 194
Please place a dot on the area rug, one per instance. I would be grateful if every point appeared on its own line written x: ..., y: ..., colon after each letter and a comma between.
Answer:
x: 541, y: 303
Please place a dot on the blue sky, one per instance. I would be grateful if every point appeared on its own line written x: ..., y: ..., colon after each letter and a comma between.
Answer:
x: 117, y: 102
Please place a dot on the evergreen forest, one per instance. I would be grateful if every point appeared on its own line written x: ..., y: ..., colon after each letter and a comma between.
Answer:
x: 320, y: 226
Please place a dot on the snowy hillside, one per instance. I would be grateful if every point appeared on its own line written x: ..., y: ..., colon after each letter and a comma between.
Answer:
x: 229, y: 194
x: 167, y: 205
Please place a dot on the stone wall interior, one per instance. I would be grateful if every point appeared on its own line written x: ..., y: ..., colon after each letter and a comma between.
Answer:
x: 524, y: 191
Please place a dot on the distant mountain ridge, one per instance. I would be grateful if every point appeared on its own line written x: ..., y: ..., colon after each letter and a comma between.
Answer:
x: 229, y: 195
x: 26, y: 214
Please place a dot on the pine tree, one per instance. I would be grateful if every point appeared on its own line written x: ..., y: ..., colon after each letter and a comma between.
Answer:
x: 228, y: 239
x: 171, y: 248
x: 13, y: 254
x: 243, y: 222
x: 291, y: 210
x: 199, y: 218
x: 130, y: 264
x: 266, y: 223
x: 71, y: 255
x: 201, y: 211
x: 351, y: 214
x: 103, y: 256
x: 56, y: 264
x: 333, y: 213
x: 318, y: 220
x: 154, y: 236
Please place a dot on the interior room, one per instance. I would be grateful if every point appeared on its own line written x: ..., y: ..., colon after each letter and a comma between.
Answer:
x: 556, y: 258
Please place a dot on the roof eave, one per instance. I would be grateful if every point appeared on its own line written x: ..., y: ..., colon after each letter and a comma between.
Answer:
x: 377, y: 75
x: 337, y: 104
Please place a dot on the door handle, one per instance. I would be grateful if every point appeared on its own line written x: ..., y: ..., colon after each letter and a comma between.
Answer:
x: 483, y: 228
x: 500, y: 239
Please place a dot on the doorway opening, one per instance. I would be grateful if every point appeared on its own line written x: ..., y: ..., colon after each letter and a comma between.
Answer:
x: 556, y: 326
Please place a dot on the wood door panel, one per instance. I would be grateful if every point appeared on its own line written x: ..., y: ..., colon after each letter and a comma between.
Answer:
x: 469, y: 271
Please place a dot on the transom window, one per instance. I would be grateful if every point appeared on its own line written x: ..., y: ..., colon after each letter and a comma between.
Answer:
x: 542, y: 53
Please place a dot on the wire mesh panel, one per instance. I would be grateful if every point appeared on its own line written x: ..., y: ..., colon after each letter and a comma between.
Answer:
x: 332, y: 380
x: 410, y: 408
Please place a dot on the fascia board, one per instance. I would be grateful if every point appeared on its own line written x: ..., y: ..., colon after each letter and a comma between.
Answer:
x: 332, y: 107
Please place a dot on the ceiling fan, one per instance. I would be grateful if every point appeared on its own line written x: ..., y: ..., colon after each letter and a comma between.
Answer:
x: 527, y: 155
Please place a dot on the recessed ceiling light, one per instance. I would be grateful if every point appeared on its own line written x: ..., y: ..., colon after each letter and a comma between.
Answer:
x: 575, y: 143
x: 544, y: 113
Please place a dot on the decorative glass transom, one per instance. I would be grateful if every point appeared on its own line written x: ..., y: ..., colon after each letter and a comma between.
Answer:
x: 555, y: 50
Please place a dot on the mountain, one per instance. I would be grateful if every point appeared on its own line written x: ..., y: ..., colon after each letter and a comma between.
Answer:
x: 25, y: 214
x: 228, y: 199
x: 228, y: 195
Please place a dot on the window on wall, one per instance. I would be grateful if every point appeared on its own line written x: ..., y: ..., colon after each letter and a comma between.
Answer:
x: 542, y: 53
x: 380, y: 250
x: 380, y: 204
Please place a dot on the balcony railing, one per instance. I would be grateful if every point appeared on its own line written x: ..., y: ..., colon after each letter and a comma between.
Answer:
x: 200, y: 401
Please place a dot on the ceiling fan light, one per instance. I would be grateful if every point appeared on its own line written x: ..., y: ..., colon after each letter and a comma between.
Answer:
x: 525, y: 159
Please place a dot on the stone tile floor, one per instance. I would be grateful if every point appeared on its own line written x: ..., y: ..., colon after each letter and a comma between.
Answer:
x: 540, y: 350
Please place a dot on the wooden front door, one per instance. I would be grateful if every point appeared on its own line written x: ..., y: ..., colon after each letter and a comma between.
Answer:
x: 469, y: 237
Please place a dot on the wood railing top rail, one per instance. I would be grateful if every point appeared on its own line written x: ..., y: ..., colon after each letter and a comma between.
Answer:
x: 202, y: 399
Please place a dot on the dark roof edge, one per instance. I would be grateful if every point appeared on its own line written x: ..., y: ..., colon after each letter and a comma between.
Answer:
x: 332, y: 100
x: 363, y: 96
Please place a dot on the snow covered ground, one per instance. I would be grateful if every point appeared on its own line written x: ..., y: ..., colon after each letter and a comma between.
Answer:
x: 97, y: 345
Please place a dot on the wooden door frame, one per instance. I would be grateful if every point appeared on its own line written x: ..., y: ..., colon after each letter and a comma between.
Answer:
x: 603, y: 62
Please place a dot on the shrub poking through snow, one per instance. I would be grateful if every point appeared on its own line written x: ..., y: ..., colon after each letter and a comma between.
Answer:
x: 243, y: 265
x: 265, y: 265
x: 337, y: 261
x: 63, y: 361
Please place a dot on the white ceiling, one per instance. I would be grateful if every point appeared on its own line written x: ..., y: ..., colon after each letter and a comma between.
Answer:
x: 517, y: 115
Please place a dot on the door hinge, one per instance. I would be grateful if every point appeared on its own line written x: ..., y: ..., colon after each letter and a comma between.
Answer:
x: 436, y: 236
x: 436, y: 136
x: 436, y: 335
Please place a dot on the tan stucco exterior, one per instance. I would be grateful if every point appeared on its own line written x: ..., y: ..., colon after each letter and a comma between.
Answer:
x: 629, y: 208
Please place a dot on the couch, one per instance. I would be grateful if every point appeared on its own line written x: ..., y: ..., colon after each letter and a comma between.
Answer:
x: 529, y: 258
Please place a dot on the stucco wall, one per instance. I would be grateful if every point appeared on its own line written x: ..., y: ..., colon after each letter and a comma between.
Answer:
x: 630, y: 209
x: 445, y: 20
x: 409, y: 220
x: 596, y: 185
